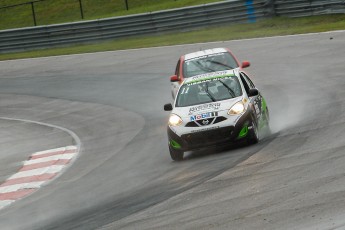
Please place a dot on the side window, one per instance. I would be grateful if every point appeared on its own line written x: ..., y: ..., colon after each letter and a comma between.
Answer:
x: 245, y: 83
x: 248, y: 81
x: 177, y: 71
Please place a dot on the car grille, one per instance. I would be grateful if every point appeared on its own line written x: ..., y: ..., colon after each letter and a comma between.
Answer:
x: 208, y: 137
x: 204, y: 122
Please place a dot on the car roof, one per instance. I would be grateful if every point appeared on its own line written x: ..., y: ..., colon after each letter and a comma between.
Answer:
x: 210, y: 76
x: 204, y: 53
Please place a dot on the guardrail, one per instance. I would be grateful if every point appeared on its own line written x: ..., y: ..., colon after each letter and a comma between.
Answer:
x: 301, y: 8
x: 237, y: 11
x: 157, y: 22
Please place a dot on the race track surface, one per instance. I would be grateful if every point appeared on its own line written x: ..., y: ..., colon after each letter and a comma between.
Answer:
x: 123, y: 177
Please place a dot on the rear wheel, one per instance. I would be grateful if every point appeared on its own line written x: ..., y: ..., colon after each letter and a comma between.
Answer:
x: 253, y: 137
x: 176, y: 155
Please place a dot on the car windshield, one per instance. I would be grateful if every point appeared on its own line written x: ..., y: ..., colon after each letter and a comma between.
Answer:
x: 209, y: 63
x: 206, y: 91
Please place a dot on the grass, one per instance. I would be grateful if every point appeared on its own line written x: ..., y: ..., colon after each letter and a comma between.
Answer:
x: 264, y: 28
x: 60, y: 11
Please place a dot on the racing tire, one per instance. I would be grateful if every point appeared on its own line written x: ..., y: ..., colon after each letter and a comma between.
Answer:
x: 176, y: 155
x: 253, y: 137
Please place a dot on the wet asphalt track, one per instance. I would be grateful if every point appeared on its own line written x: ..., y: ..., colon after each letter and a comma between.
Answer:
x: 124, y: 177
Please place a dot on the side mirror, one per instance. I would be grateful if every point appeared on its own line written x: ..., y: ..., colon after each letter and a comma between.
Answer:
x: 168, y: 107
x: 245, y: 64
x: 174, y: 78
x: 253, y: 92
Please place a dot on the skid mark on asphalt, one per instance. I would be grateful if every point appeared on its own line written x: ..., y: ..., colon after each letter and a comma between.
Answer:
x: 39, y: 169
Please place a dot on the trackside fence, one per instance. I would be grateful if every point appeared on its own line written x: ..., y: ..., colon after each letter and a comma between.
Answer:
x: 232, y: 11
x: 301, y: 8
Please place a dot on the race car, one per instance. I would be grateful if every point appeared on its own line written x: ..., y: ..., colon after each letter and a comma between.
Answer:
x: 204, y: 61
x: 213, y: 109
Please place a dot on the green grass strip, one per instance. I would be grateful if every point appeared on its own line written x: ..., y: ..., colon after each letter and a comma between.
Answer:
x: 61, y: 11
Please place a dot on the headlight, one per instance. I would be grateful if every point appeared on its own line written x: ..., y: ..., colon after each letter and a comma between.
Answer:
x: 175, y: 120
x: 237, y: 108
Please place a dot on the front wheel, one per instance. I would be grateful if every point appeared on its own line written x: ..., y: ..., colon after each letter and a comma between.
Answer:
x: 176, y: 155
x: 253, y: 137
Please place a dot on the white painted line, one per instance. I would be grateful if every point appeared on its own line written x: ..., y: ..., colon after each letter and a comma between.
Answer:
x: 24, y: 183
x: 39, y: 171
x: 51, y: 158
x: 16, y: 187
x: 4, y: 203
x: 74, y: 136
x: 62, y: 149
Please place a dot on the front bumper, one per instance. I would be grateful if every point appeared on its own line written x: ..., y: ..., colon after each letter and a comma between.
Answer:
x: 214, y: 136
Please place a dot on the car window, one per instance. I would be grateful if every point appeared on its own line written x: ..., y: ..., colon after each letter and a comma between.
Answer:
x: 245, y: 84
x: 209, y: 63
x: 248, y: 81
x: 206, y: 91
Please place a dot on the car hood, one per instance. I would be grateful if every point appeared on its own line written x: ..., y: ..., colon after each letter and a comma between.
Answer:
x: 205, y: 108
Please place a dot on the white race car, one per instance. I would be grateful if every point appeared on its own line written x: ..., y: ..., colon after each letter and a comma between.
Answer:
x: 213, y: 109
x: 204, y: 61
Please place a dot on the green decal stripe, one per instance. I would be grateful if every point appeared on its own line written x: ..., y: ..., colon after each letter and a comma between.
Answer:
x: 174, y: 144
x: 243, y: 132
x: 263, y: 105
x: 209, y: 78
x: 263, y: 121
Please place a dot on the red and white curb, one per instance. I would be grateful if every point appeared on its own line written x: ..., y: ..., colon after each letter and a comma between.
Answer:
x: 39, y: 169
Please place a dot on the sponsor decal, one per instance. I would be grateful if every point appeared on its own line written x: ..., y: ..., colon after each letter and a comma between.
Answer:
x: 209, y: 77
x: 211, y: 106
x: 258, y: 106
x: 206, y: 129
x: 204, y: 56
x: 213, y: 74
x: 203, y: 116
x: 205, y: 122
